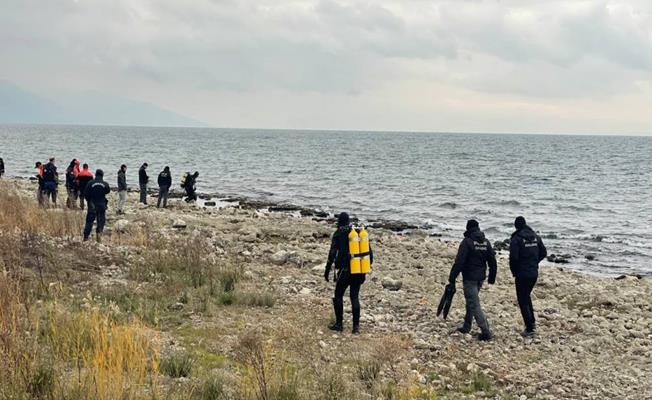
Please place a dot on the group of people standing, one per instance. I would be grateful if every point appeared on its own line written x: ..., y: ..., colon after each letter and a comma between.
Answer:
x: 474, y: 256
x: 188, y: 183
x: 82, y: 186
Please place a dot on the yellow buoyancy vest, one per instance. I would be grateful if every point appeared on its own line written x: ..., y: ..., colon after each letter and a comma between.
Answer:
x: 359, y: 251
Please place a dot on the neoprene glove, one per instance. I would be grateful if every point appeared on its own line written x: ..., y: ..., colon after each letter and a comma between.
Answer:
x: 327, y: 274
x: 492, y: 280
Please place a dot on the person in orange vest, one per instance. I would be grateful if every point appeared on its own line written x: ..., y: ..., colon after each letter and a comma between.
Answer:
x: 83, y: 178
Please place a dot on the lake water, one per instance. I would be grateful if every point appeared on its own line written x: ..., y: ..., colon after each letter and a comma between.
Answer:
x: 586, y: 195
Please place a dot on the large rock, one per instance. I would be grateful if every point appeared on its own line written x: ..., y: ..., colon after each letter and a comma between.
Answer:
x: 179, y: 224
x: 121, y: 225
x: 391, y: 284
x: 280, y: 257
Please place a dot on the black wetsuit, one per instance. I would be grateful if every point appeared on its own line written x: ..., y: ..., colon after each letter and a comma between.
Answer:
x: 190, y: 188
x: 340, y: 256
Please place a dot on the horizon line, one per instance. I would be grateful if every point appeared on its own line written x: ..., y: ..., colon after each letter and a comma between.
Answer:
x: 207, y: 127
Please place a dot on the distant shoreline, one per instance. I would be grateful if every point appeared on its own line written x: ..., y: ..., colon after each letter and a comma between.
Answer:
x: 395, y: 226
x: 353, y: 131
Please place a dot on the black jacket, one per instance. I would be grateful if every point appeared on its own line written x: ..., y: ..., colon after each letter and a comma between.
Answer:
x: 143, y: 178
x: 96, y: 191
x: 164, y: 179
x: 70, y: 178
x: 473, y: 255
x: 50, y: 173
x: 190, y: 183
x: 339, y: 252
x: 526, y: 250
x: 122, y: 180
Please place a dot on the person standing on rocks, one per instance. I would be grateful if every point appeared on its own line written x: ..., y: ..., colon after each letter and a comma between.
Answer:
x: 143, y: 180
x: 526, y: 250
x: 95, y: 193
x: 2, y: 167
x: 71, y: 187
x: 189, y: 185
x: 164, y: 183
x: 50, y: 181
x: 122, y: 188
x: 340, y: 256
x: 39, y: 178
x: 473, y: 256
x: 83, y: 178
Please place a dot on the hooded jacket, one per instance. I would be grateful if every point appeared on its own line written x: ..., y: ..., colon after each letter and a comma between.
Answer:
x: 473, y: 256
x: 71, y: 175
x: 122, y: 180
x: 165, y: 179
x: 143, y: 178
x: 339, y: 251
x: 96, y: 191
x: 526, y: 250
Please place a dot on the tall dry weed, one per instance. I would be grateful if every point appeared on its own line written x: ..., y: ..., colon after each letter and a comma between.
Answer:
x: 21, y: 214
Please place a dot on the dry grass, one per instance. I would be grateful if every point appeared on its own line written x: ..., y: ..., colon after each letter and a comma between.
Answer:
x: 52, y: 353
x: 18, y: 214
x: 57, y: 344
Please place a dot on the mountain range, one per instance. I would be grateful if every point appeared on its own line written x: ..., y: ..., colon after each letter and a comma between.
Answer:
x: 20, y: 106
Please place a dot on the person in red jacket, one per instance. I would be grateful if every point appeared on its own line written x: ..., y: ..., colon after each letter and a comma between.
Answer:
x: 83, y: 178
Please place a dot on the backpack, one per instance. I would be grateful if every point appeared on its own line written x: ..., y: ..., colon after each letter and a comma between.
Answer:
x: 184, y: 178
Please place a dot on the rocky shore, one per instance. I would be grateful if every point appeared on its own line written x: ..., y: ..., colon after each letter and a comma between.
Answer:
x: 594, y: 336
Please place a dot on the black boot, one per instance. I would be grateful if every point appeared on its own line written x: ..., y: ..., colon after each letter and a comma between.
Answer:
x: 463, y: 329
x: 355, y: 330
x: 338, y: 307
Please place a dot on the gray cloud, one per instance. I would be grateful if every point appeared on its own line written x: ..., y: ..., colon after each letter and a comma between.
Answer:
x: 170, y: 51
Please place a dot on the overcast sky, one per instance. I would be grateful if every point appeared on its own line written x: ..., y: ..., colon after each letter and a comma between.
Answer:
x: 468, y: 66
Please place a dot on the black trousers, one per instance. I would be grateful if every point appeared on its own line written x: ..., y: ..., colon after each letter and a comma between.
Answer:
x: 95, y: 212
x: 353, y: 282
x: 192, y: 196
x: 524, y: 286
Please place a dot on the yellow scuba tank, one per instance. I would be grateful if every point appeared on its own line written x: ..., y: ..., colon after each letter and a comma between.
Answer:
x: 354, y: 251
x: 365, y: 262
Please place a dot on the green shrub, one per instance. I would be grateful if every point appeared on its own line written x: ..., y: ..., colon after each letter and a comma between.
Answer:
x: 177, y: 365
x: 41, y: 384
x: 256, y: 299
x: 213, y: 389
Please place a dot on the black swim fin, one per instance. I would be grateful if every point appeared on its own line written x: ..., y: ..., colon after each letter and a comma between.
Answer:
x: 446, y: 300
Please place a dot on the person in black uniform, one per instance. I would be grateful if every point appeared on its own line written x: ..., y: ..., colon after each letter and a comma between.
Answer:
x: 95, y: 194
x: 164, y: 183
x: 143, y: 180
x: 526, y: 250
x: 474, y: 253
x: 339, y: 256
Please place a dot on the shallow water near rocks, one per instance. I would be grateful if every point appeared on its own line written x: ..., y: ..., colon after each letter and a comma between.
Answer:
x: 587, y: 195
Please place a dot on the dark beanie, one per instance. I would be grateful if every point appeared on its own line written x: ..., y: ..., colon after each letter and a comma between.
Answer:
x: 99, y: 172
x: 472, y: 224
x: 343, y: 219
x: 519, y: 222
